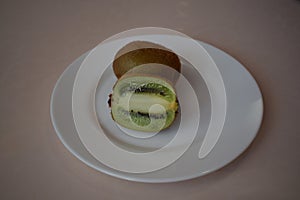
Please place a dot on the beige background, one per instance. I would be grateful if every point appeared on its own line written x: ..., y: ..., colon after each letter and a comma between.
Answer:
x: 39, y: 39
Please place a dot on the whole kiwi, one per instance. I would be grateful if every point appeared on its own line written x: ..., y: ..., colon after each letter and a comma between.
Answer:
x: 139, y: 53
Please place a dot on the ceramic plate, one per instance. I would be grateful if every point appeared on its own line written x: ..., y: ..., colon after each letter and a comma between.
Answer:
x: 243, y: 118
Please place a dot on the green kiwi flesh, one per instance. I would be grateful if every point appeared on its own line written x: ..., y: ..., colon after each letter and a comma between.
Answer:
x: 143, y: 103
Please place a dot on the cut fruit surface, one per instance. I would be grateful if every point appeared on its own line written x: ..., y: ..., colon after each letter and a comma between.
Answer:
x: 143, y: 103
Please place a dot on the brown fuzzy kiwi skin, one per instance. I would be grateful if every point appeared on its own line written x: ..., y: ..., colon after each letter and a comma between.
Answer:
x: 139, y: 52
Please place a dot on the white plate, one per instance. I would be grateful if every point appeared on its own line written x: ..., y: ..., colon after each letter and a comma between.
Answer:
x: 244, y: 114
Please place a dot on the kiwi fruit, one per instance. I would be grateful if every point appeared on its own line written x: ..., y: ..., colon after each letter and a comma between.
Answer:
x: 143, y: 103
x: 144, y: 98
x: 140, y: 52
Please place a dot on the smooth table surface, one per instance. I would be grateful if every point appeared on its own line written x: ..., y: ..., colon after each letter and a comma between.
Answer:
x: 39, y: 39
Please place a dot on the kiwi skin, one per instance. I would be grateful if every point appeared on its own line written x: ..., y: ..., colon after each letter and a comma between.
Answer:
x: 139, y: 52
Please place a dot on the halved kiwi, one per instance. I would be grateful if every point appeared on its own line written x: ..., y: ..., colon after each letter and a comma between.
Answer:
x: 143, y: 103
x: 143, y: 98
x: 140, y: 52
